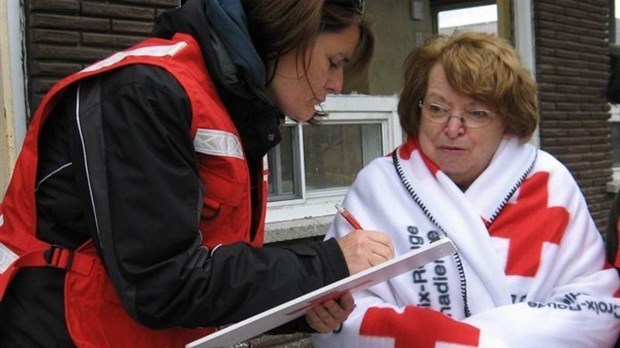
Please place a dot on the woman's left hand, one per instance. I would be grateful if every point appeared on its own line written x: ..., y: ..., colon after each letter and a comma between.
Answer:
x: 329, y: 315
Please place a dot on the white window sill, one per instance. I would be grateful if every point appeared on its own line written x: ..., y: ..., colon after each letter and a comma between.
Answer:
x: 613, y: 186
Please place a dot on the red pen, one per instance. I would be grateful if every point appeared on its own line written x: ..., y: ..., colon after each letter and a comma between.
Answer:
x: 347, y: 216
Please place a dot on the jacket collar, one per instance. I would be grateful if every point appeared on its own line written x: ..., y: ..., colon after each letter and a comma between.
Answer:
x: 220, y: 27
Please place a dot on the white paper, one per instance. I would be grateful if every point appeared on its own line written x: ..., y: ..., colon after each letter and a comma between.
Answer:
x: 272, y: 318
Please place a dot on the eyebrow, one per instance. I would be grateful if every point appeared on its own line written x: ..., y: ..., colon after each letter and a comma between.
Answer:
x: 435, y: 96
x: 472, y: 103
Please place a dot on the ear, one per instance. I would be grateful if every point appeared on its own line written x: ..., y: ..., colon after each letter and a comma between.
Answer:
x: 508, y: 133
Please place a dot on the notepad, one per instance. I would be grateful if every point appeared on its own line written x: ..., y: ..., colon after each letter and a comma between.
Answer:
x: 293, y: 309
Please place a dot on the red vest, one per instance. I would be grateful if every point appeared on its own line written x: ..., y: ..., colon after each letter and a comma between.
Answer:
x: 94, y: 315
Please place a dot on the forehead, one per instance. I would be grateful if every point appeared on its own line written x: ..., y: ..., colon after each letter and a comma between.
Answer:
x: 342, y: 42
x: 437, y: 81
x: 439, y: 87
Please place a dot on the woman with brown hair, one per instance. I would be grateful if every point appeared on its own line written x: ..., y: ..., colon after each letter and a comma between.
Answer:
x: 143, y: 218
x: 530, y: 269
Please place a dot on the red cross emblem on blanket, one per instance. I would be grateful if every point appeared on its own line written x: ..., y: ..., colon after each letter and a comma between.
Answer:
x: 417, y: 327
x: 528, y: 223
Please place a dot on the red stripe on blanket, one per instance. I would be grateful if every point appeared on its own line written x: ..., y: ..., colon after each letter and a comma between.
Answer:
x: 528, y: 223
x: 411, y: 145
x: 407, y: 148
x: 417, y: 327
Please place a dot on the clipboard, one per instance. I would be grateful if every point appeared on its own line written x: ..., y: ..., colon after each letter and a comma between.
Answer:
x: 293, y: 309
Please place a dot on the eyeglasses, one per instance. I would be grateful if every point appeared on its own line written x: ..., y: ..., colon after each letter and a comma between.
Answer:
x: 358, y: 6
x: 472, y: 118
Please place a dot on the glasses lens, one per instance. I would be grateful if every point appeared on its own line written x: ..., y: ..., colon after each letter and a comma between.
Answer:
x: 478, y: 118
x: 441, y: 115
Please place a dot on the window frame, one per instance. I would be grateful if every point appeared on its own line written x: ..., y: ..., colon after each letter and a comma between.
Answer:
x: 613, y: 186
x: 342, y: 109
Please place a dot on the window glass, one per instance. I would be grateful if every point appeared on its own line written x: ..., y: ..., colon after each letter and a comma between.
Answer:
x: 313, y: 166
x: 615, y: 143
x: 284, y: 180
x: 616, y: 37
x: 331, y: 156
x: 477, y: 18
x: 334, y: 154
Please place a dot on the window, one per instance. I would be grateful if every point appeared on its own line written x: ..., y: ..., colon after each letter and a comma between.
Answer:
x: 615, y: 138
x: 332, y: 155
x: 477, y: 18
x: 313, y: 166
x: 492, y: 16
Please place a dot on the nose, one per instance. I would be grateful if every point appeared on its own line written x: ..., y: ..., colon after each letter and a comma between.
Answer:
x: 455, y: 127
x: 335, y: 81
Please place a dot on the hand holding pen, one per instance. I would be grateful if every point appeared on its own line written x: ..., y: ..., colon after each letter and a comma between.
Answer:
x: 363, y: 250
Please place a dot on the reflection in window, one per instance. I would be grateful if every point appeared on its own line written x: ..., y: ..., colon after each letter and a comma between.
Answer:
x: 478, y: 18
x: 333, y: 154
x: 616, y: 38
x: 284, y: 181
x: 615, y: 141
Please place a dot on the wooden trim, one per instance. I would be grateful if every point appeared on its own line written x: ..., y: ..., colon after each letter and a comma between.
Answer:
x: 504, y: 20
x: 7, y: 114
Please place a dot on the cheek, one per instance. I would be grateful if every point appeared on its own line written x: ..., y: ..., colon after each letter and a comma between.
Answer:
x: 426, y: 136
x: 487, y: 147
x: 429, y: 131
x: 492, y: 139
x: 317, y: 79
x: 295, y: 100
x: 286, y: 88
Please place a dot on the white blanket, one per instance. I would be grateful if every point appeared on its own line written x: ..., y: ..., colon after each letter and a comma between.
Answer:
x: 530, y: 271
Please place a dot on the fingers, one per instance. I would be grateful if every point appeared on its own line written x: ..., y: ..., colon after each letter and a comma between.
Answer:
x: 382, y: 245
x: 347, y: 303
x: 364, y: 249
x: 380, y: 238
x: 328, y: 316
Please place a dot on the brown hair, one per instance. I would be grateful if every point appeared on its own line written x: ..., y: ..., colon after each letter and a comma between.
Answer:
x: 278, y: 27
x: 479, y: 65
x: 337, y: 16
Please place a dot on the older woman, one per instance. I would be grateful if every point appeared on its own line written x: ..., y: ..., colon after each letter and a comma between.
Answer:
x: 530, y: 268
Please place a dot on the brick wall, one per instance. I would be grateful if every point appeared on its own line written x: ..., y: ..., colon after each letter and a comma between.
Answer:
x: 572, y: 65
x: 62, y: 36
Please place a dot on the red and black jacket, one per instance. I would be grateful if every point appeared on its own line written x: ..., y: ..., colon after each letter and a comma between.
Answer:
x: 155, y: 173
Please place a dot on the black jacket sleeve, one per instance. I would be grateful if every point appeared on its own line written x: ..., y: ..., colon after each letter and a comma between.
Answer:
x: 136, y: 168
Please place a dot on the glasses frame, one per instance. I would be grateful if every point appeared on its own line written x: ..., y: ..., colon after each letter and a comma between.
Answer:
x: 464, y: 119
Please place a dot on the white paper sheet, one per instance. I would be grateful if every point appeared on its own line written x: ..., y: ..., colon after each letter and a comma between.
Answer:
x: 272, y: 318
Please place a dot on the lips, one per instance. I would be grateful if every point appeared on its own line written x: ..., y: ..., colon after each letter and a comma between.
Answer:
x: 450, y: 148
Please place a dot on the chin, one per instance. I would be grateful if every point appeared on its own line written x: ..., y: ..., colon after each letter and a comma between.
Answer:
x: 301, y: 116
